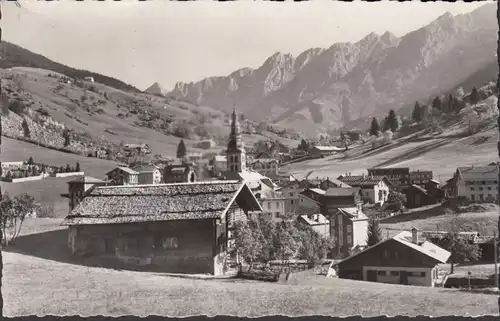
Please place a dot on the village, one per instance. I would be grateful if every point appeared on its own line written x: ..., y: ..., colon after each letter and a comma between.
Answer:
x: 145, y: 216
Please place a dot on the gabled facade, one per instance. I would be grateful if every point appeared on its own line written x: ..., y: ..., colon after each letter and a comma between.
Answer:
x: 374, y: 189
x: 476, y: 184
x: 123, y: 176
x: 177, y: 228
x: 417, y: 196
x: 181, y: 173
x: 402, y: 259
x: 149, y: 174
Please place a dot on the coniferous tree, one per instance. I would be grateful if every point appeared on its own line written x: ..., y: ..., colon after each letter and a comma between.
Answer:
x: 392, y: 121
x: 474, y: 97
x: 374, y: 233
x: 437, y: 104
x: 181, y: 149
x: 77, y: 167
x: 375, y: 127
x: 416, y: 116
x: 449, y: 104
x: 385, y: 126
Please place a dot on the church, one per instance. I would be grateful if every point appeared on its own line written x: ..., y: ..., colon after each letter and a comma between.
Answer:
x: 263, y: 187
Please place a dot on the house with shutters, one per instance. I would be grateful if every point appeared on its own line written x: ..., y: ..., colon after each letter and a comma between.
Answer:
x: 402, y: 259
x: 176, y: 228
x: 318, y: 222
x: 475, y: 183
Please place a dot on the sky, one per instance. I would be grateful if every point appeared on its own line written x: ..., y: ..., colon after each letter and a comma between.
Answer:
x: 167, y: 41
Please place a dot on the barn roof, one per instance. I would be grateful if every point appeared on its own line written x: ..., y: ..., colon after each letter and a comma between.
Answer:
x: 146, y: 168
x: 87, y: 180
x: 124, y: 169
x: 472, y: 171
x: 163, y: 202
x: 426, y: 248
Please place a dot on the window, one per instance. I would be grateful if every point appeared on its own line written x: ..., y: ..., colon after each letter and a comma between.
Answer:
x: 472, y: 198
x: 422, y: 274
x: 481, y: 197
x: 472, y: 188
x: 381, y: 273
x: 394, y: 273
x: 291, y: 202
x: 291, y: 194
x: 489, y: 188
x: 480, y: 188
x: 277, y: 204
x: 268, y: 206
x: 277, y: 214
x: 168, y: 243
x: 349, y: 228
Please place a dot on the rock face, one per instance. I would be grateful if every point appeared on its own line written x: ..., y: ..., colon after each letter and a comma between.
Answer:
x: 156, y: 89
x: 328, y: 88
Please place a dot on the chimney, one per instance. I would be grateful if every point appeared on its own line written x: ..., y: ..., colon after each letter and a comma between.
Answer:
x: 414, y: 235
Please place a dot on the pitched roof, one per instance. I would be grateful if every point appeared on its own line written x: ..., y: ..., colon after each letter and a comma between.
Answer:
x: 427, y: 248
x: 315, y: 219
x: 339, y: 191
x: 328, y: 148
x: 362, y: 180
x: 146, y: 168
x: 124, y: 169
x: 353, y: 213
x: 419, y: 188
x: 164, y: 202
x: 87, y: 180
x: 317, y: 191
x: 220, y: 158
x: 477, y: 170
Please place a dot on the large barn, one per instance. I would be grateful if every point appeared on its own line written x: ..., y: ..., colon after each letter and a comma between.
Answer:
x: 177, y: 228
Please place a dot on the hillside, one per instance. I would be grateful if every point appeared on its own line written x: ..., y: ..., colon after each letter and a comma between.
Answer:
x: 468, y: 138
x: 326, y: 88
x: 12, y: 55
x: 103, y: 117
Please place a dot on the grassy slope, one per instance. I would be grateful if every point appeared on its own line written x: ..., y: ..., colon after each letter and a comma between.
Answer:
x: 48, y: 191
x: 40, y: 86
x: 443, y: 160
x: 41, y: 286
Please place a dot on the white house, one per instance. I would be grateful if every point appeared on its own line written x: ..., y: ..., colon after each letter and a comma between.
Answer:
x: 477, y: 184
x: 148, y: 174
x: 374, y: 189
x: 274, y: 206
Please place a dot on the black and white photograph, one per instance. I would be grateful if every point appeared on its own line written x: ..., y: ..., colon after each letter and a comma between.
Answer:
x: 249, y: 158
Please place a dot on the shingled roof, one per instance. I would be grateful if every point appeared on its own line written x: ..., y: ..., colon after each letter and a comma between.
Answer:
x: 164, y: 202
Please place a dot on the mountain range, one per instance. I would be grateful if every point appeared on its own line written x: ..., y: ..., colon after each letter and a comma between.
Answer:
x: 328, y: 88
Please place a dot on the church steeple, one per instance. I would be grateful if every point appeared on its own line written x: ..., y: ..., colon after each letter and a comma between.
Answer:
x: 236, y: 158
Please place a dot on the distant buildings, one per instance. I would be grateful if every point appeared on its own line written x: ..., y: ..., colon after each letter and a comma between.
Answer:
x: 179, y: 173
x: 323, y: 151
x: 374, y: 189
x: 399, y: 177
x: 148, y: 174
x: 477, y: 184
x: 265, y: 166
x: 80, y: 187
x: 123, y: 176
x: 318, y: 222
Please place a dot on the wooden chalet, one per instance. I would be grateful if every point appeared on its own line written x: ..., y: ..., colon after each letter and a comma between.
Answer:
x: 177, y: 228
x: 402, y: 259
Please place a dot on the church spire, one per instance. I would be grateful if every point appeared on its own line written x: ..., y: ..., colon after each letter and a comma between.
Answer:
x: 235, y: 153
x: 235, y: 143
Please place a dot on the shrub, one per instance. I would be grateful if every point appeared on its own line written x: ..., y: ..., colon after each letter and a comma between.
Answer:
x: 17, y: 107
x: 46, y: 211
